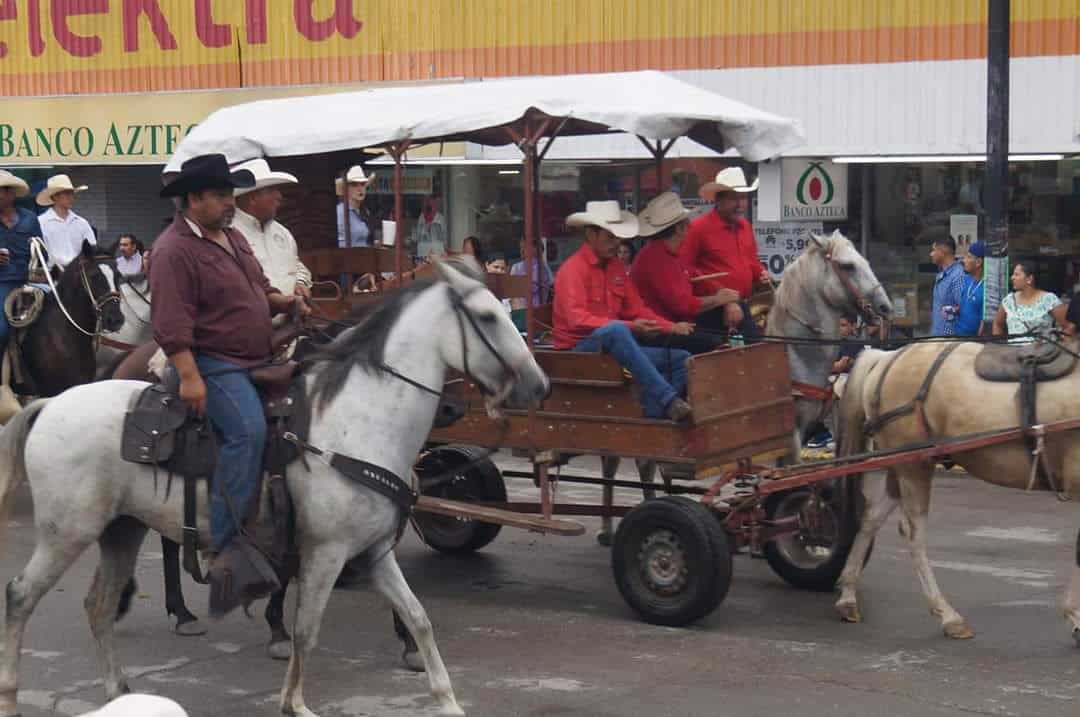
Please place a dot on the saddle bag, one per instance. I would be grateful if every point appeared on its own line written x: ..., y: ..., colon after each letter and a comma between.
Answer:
x: 157, y: 431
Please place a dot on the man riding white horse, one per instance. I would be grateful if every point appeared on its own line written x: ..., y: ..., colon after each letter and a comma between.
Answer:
x: 211, y: 316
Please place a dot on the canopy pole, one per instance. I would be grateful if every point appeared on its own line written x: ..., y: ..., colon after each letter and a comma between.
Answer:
x: 659, y: 152
x: 527, y: 142
x: 397, y: 151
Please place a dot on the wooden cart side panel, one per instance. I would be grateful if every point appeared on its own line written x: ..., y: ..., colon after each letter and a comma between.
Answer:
x: 717, y: 441
x: 740, y: 379
x: 564, y: 366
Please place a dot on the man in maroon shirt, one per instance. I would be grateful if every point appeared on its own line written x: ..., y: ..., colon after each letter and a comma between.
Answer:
x: 720, y: 252
x: 211, y: 316
x: 664, y: 283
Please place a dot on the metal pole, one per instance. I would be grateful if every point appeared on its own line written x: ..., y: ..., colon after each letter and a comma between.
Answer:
x: 997, y: 147
x: 399, y: 211
x: 865, y: 207
x: 529, y: 150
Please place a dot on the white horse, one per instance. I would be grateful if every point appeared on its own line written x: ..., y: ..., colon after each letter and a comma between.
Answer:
x: 68, y: 448
x: 136, y: 331
x: 829, y: 280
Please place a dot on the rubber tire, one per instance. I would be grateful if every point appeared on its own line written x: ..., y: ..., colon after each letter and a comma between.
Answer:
x: 707, y: 554
x: 482, y: 483
x: 821, y: 578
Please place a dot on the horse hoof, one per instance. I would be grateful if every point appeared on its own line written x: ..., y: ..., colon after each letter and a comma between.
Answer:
x: 452, y: 711
x: 413, y: 661
x: 849, y: 612
x: 191, y: 628
x: 604, y: 539
x: 959, y: 630
x: 280, y: 650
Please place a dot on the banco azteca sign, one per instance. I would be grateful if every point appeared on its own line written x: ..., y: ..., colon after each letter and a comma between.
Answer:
x: 814, y: 190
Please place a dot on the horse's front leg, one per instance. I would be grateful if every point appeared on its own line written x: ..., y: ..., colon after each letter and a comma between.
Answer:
x: 186, y: 623
x: 391, y: 583
x: 319, y: 569
x: 879, y: 506
x: 914, y: 486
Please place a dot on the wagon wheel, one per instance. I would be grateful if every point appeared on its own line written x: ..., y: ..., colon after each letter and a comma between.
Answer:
x: 813, y: 558
x: 671, y: 561
x: 480, y: 483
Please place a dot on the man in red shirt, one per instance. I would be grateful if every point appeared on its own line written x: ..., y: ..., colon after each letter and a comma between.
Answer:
x: 664, y: 283
x: 597, y: 309
x: 720, y: 252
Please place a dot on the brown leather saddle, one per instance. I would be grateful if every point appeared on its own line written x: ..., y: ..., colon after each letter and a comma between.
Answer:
x: 159, y: 431
x: 1027, y: 365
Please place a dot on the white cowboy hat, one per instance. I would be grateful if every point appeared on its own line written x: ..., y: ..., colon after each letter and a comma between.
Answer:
x: 139, y: 706
x: 56, y: 184
x: 606, y: 215
x: 730, y: 179
x: 355, y: 175
x: 7, y: 179
x: 663, y: 211
x: 264, y: 177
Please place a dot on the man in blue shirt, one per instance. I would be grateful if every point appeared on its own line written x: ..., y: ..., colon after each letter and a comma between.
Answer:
x: 969, y: 318
x: 16, y: 227
x: 947, y: 286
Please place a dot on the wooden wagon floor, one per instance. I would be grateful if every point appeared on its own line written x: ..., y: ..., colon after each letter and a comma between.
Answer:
x: 534, y: 627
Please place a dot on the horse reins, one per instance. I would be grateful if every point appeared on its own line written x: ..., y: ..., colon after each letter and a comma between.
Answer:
x: 99, y: 304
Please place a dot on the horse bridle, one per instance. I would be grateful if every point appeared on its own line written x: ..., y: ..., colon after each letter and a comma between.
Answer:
x: 463, y: 314
x: 99, y: 304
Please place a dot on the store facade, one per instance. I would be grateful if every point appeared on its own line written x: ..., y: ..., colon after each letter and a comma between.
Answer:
x: 891, y: 96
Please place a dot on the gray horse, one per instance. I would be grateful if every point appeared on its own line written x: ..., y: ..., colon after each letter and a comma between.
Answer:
x: 364, y: 409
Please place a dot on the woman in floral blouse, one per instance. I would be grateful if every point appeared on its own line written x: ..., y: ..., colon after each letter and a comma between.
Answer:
x: 1028, y: 309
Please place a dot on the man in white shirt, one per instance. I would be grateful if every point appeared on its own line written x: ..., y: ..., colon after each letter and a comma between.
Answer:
x: 129, y: 259
x: 272, y: 244
x: 63, y: 231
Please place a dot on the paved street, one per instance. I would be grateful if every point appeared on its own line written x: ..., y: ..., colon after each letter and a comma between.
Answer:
x: 534, y: 626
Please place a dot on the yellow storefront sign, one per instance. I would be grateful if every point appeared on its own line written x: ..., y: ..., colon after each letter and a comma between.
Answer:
x: 124, y: 129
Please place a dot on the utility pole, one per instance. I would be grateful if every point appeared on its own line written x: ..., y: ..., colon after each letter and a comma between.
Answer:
x: 997, y: 155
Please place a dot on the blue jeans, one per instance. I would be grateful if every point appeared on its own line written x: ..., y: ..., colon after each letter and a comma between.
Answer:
x: 6, y: 287
x: 236, y: 414
x: 649, y: 365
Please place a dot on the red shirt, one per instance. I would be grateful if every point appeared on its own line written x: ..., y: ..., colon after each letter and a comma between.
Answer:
x: 589, y: 295
x: 712, y: 245
x: 664, y: 283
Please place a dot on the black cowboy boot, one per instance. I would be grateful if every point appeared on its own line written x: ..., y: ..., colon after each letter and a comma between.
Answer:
x: 239, y: 576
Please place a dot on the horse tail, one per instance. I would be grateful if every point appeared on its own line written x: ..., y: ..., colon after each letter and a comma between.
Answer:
x: 12, y: 453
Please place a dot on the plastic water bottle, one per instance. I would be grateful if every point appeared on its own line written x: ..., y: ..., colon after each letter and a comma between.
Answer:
x: 735, y: 339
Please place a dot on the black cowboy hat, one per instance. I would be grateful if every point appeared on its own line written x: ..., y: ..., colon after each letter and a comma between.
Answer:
x: 210, y: 171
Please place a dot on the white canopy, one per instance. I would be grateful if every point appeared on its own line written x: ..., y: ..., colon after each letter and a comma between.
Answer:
x: 652, y: 105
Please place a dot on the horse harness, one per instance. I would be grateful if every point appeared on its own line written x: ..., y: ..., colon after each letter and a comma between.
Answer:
x: 1024, y: 365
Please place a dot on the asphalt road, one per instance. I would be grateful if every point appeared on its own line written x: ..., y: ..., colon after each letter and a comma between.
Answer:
x: 535, y: 626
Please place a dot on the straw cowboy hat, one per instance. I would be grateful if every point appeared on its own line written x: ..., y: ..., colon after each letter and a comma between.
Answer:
x: 56, y: 184
x: 264, y: 177
x: 355, y: 175
x: 665, y: 210
x: 730, y: 179
x: 139, y: 706
x: 7, y: 179
x: 606, y: 215
x: 210, y: 171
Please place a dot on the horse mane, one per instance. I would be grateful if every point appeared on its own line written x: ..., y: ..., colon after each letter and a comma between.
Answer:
x: 362, y: 345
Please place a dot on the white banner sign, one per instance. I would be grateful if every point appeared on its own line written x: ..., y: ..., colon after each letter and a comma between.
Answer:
x: 780, y: 242
x: 814, y: 190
